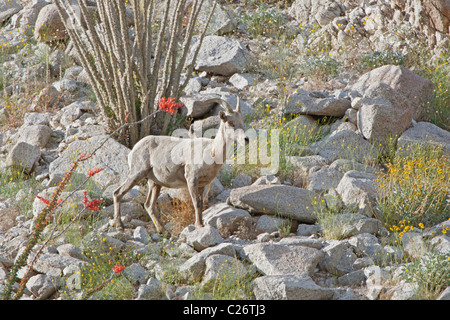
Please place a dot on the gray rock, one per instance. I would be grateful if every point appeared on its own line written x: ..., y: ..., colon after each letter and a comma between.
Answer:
x: 352, y: 279
x: 193, y: 269
x: 24, y: 155
x: 277, y: 259
x: 423, y: 134
x: 302, y: 125
x: 221, y: 56
x: 384, y: 114
x: 47, y: 262
x: 445, y: 295
x: 222, y: 267
x: 242, y: 80
x: 338, y: 258
x: 223, y: 20
x: 43, y: 286
x: 241, y: 180
x: 307, y: 230
x: 441, y: 244
x: 404, y: 291
x: 112, y: 156
x: 358, y: 189
x: 48, y: 98
x: 352, y: 224
x: 135, y: 273
x: 36, y: 135
x: 222, y: 216
x: 266, y: 180
x: 307, y: 162
x: 289, y: 287
x: 322, y: 180
x: 270, y: 224
x: 200, y: 238
x: 49, y: 26
x: 36, y: 118
x: 8, y: 8
x: 416, y: 89
x: 345, y: 144
x: 318, y: 103
x: 194, y: 105
x: 302, y: 241
x: 150, y: 291
x: 369, y: 245
x: 345, y: 165
x: 70, y: 250
x: 413, y: 244
x: 281, y: 200
x: 141, y: 235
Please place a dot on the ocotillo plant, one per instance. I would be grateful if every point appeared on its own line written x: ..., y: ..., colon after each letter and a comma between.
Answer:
x: 129, y: 73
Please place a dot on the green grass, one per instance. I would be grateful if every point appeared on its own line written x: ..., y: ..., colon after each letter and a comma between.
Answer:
x: 12, y: 181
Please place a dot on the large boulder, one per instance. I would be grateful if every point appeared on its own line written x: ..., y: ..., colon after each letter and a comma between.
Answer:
x: 223, y: 20
x: 36, y: 135
x: 112, y: 157
x: 384, y: 114
x: 224, y: 217
x: 27, y: 17
x: 276, y: 259
x: 281, y: 200
x: 290, y: 287
x: 49, y: 26
x: 358, y: 189
x: 8, y: 8
x: 201, y: 238
x: 323, y: 179
x: 221, y: 56
x: 424, y: 134
x: 416, y: 89
x: 345, y: 144
x: 195, y: 105
x: 24, y: 155
x: 318, y: 103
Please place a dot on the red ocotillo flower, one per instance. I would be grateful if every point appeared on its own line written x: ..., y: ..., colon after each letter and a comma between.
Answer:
x: 46, y: 201
x: 90, y: 205
x: 168, y: 105
x: 93, y: 172
x: 118, y: 269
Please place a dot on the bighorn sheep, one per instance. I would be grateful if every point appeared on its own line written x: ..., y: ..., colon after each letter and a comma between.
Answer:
x: 172, y: 162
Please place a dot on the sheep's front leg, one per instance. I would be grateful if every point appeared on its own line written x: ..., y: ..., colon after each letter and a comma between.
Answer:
x: 196, y: 193
x: 120, y: 192
x: 150, y: 204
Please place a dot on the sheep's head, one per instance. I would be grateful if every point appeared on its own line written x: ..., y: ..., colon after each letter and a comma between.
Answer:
x: 234, y: 122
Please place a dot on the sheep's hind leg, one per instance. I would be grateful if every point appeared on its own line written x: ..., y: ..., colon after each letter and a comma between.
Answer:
x: 150, y: 203
x: 120, y: 192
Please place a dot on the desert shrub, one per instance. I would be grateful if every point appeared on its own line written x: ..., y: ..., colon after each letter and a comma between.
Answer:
x: 381, y: 58
x: 415, y: 189
x: 431, y: 274
x: 323, y: 67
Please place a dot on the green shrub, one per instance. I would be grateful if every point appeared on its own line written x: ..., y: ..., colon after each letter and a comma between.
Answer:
x: 431, y: 274
x: 322, y: 67
x: 381, y: 58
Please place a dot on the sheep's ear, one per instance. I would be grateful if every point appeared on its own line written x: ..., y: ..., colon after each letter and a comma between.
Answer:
x: 223, y: 116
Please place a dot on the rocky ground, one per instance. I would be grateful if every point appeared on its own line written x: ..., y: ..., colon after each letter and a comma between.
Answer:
x: 347, y: 76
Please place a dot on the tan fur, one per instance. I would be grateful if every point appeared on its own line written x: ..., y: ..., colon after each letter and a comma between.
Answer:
x: 167, y: 162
